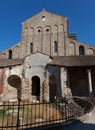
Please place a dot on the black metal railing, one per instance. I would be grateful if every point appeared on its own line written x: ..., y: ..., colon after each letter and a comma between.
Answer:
x: 25, y: 114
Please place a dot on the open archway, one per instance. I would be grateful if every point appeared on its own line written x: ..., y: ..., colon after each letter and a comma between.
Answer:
x: 52, y: 88
x: 36, y: 86
x: 15, y: 82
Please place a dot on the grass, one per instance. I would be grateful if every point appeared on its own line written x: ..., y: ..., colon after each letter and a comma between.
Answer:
x: 9, y: 108
x: 4, y: 112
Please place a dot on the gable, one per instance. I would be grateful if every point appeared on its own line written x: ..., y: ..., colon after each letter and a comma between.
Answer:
x: 37, y: 59
x: 46, y: 17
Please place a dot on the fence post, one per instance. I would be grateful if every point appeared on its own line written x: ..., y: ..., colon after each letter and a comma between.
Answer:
x: 18, y: 113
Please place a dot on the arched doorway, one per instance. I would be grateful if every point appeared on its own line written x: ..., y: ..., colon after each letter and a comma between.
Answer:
x: 36, y: 86
x: 15, y: 82
x: 52, y: 88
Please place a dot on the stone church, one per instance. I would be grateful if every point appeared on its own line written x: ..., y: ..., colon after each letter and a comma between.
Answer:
x: 48, y: 62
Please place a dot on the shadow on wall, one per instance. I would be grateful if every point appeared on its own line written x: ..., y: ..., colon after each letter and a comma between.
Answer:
x: 15, y: 82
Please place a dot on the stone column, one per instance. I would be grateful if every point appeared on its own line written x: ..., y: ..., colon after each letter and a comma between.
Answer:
x: 89, y: 81
x: 63, y: 73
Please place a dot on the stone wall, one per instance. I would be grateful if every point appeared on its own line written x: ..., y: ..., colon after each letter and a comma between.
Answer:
x: 46, y: 33
x: 11, y: 82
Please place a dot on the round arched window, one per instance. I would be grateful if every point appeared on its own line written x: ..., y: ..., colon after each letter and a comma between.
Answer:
x: 39, y: 30
x: 47, y: 30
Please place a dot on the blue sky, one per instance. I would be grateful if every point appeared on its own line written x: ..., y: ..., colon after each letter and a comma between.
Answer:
x: 80, y: 13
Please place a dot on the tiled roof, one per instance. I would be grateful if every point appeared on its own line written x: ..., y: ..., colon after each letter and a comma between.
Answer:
x: 70, y: 61
x: 10, y: 62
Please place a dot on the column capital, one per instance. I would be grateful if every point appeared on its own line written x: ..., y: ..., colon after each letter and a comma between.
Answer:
x: 63, y: 69
x: 88, y: 70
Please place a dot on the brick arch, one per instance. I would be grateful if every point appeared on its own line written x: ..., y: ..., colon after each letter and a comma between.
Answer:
x: 55, y: 39
x: 90, y: 51
x: 2, y: 55
x: 15, y: 82
x: 47, y: 40
x: 25, y: 32
x: 47, y: 29
x: 39, y: 32
x: 71, y: 48
x: 55, y: 28
x: 61, y: 27
x: 16, y: 52
x: 39, y: 29
x: 31, y: 31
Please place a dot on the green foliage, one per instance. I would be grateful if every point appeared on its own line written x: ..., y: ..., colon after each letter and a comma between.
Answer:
x: 2, y: 113
x: 9, y: 108
x: 39, y: 116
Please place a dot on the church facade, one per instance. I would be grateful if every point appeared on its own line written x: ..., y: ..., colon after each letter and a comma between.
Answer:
x: 47, y: 63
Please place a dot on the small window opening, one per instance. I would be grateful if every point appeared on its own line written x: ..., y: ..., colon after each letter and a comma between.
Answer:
x: 47, y: 30
x: 43, y: 18
x: 55, y: 46
x: 39, y: 30
x: 10, y: 54
x: 31, y: 47
x: 81, y: 50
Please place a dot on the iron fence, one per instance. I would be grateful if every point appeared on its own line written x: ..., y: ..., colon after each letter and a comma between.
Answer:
x: 25, y: 114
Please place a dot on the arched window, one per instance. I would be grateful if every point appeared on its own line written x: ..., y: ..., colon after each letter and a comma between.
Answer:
x: 90, y: 51
x: 47, y: 30
x: 39, y: 30
x: 43, y: 18
x: 31, y: 47
x: 81, y: 50
x: 71, y: 49
x: 55, y: 46
x: 10, y: 54
x: 16, y: 50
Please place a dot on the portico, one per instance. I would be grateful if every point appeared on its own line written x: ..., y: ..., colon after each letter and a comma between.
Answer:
x: 78, y: 72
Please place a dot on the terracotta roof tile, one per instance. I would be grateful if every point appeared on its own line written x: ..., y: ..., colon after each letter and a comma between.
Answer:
x: 10, y: 62
x: 71, y: 61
